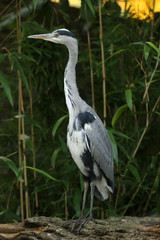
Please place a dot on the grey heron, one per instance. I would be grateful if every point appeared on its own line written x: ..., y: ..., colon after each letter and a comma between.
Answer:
x: 87, y: 138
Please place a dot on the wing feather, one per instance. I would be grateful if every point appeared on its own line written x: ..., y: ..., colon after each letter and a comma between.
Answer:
x: 101, y: 148
x: 97, y: 142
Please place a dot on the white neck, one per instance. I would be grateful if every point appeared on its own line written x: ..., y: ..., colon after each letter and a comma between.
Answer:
x: 73, y: 99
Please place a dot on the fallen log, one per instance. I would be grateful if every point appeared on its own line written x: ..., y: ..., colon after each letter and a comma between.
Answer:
x: 47, y: 228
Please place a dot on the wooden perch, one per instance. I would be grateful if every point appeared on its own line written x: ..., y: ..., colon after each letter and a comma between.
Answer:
x: 47, y: 228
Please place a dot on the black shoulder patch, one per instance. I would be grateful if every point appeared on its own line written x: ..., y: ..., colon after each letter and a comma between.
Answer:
x: 65, y: 32
x: 88, y: 163
x: 85, y: 118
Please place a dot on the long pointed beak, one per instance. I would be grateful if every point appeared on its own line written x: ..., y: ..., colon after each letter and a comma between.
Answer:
x: 46, y: 36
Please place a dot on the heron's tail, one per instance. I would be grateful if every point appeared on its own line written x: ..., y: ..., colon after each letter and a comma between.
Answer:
x: 102, y: 189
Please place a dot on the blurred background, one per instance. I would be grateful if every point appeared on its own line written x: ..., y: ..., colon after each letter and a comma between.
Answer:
x: 118, y: 74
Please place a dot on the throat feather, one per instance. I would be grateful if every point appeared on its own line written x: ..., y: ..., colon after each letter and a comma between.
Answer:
x: 69, y: 95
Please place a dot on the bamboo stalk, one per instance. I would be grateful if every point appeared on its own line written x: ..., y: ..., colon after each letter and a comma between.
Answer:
x: 150, y: 194
x: 66, y: 206
x: 145, y: 129
x: 19, y: 119
x: 142, y: 135
x: 6, y: 8
x: 102, y: 213
x: 147, y: 84
x: 117, y: 196
x: 19, y: 145
x: 90, y: 61
x: 135, y: 116
x: 148, y: 118
x: 25, y: 169
x: 152, y: 21
x: 103, y: 64
x: 21, y: 128
x: 5, y: 39
x: 32, y: 138
x: 103, y: 75
x: 9, y: 196
x: 146, y: 96
x: 135, y: 193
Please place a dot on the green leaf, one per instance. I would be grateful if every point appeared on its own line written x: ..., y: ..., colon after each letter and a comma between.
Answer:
x: 43, y: 173
x: 35, y: 4
x: 138, y: 43
x: 77, y: 201
x: 29, y: 144
x: 23, y: 56
x: 90, y: 6
x: 153, y: 162
x: 115, y: 53
x: 118, y: 113
x: 6, y: 87
x: 156, y: 185
x: 120, y: 134
x: 154, y: 47
x: 158, y: 113
x: 22, y: 73
x: 114, y: 146
x: 122, y: 149
x: 146, y: 51
x: 63, y: 144
x: 59, y: 121
x: 11, y: 60
x: 2, y: 58
x: 54, y: 156
x: 81, y: 181
x: 156, y: 58
x: 134, y: 172
x: 10, y: 164
x: 128, y: 95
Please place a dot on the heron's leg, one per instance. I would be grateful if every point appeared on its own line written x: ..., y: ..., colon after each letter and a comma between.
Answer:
x: 90, y: 218
x: 84, y: 198
x: 92, y: 198
x: 79, y: 220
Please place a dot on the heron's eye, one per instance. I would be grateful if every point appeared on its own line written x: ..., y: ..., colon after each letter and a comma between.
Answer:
x: 56, y: 35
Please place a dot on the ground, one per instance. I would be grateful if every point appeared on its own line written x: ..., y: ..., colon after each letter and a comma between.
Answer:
x: 113, y: 228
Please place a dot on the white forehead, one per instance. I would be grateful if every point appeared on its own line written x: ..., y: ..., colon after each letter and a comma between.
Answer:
x: 63, y: 29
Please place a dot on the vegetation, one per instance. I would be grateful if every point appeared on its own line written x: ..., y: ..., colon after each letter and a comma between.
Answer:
x: 37, y: 173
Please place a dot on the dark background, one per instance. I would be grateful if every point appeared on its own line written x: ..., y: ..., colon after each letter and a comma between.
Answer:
x: 133, y: 122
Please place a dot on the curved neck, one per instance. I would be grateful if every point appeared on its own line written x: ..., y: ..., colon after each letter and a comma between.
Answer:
x: 73, y: 99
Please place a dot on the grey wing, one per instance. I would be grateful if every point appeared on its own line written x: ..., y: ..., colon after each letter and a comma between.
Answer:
x: 101, y: 148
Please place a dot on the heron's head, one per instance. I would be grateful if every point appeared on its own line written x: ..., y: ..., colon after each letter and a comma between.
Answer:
x: 62, y: 36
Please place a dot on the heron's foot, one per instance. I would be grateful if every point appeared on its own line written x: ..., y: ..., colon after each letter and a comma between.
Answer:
x: 81, y: 221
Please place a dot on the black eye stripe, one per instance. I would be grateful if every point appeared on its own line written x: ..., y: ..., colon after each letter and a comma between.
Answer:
x: 67, y: 33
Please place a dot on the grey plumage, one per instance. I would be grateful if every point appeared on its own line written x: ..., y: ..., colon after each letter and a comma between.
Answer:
x: 87, y: 138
